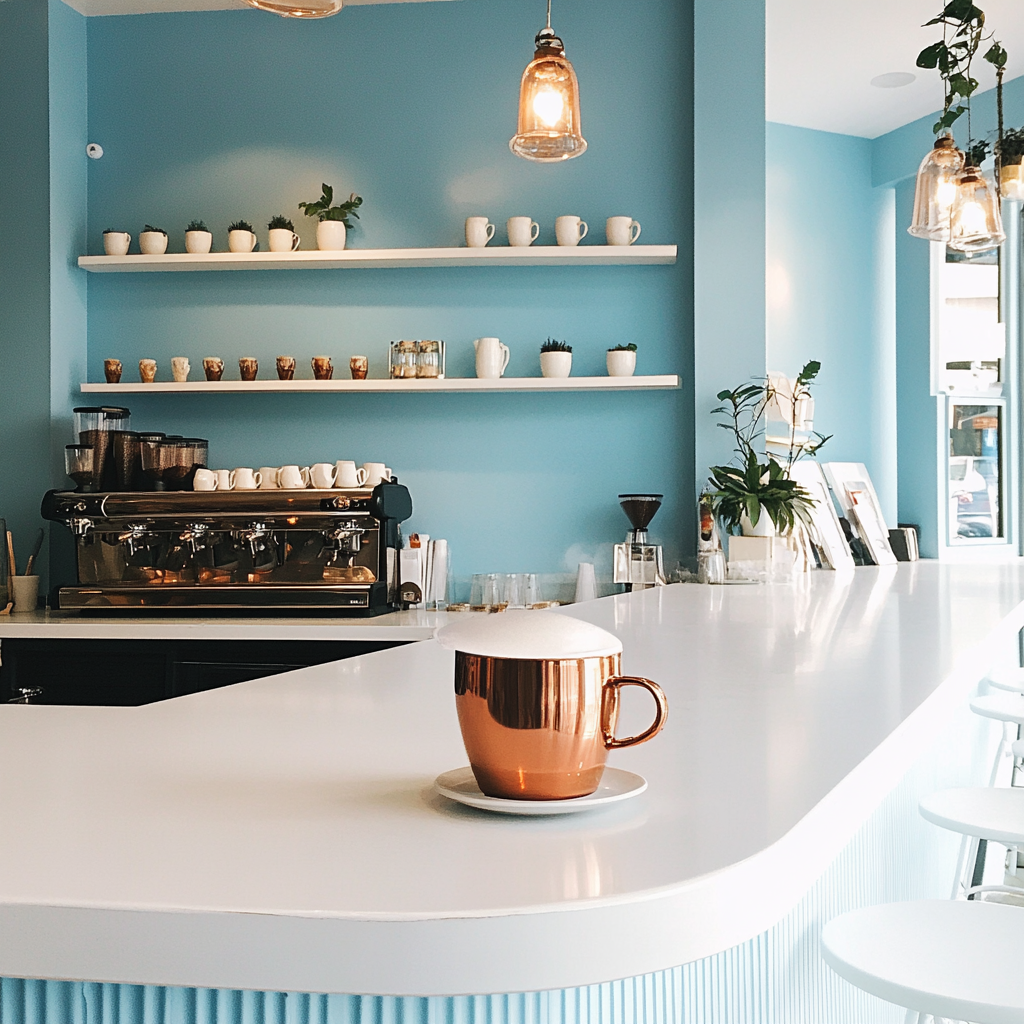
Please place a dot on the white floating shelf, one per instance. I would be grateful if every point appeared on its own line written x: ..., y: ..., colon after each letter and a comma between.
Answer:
x: 662, y: 382
x: 499, y: 256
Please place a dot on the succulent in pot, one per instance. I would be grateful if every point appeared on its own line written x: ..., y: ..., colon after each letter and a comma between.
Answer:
x: 242, y: 237
x: 198, y: 237
x: 332, y: 221
x: 115, y: 243
x: 555, y: 359
x: 1010, y: 150
x: 621, y: 360
x: 282, y: 234
x: 153, y: 241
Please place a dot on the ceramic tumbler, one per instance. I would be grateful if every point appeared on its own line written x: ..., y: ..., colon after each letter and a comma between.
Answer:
x: 213, y: 367
x: 248, y: 367
x: 359, y: 366
x: 112, y: 370
x: 285, y: 367
x: 147, y: 370
x: 322, y: 367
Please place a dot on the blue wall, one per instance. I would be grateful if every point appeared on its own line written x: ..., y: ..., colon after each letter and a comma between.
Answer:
x: 241, y: 115
x: 830, y: 292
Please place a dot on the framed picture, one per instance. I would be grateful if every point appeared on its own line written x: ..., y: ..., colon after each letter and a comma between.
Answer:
x: 827, y: 531
x: 856, y: 496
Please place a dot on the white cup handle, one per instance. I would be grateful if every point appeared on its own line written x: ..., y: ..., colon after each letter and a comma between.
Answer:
x: 633, y: 235
x: 295, y: 241
x: 231, y: 481
x: 304, y: 476
x: 490, y: 231
x: 361, y: 476
x: 129, y: 239
x: 255, y: 241
x: 258, y: 478
x: 505, y: 357
x: 583, y: 229
x: 534, y: 230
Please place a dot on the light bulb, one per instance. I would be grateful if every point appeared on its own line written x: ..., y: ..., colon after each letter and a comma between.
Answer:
x: 972, y: 219
x: 945, y: 193
x: 549, y: 106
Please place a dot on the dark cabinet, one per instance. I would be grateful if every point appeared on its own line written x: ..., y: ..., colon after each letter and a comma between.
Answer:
x: 128, y: 673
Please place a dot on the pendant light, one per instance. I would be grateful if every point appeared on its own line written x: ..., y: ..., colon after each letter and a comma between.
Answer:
x: 298, y: 8
x: 936, y: 189
x: 975, y: 221
x: 549, y: 104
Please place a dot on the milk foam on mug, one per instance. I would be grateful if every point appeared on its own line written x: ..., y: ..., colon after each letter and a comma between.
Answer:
x: 515, y: 675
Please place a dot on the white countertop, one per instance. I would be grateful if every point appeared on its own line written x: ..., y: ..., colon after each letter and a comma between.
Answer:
x: 283, y: 834
x: 55, y: 625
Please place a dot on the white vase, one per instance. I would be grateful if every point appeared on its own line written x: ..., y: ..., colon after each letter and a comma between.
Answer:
x: 198, y: 241
x: 240, y: 240
x: 555, y: 364
x: 765, y: 526
x: 621, y: 362
x: 153, y: 243
x: 330, y: 235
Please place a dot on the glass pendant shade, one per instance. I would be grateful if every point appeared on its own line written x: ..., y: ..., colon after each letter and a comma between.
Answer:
x: 298, y: 8
x: 975, y: 222
x: 1011, y: 180
x: 549, y: 106
x: 936, y: 190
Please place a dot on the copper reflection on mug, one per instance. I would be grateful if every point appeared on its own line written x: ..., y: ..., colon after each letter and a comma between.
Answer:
x: 541, y: 730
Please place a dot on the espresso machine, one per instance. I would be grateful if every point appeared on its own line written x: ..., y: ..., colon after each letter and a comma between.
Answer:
x: 637, y: 563
x: 325, y: 551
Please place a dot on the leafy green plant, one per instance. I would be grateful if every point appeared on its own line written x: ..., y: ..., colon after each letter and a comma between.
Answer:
x: 241, y: 225
x: 555, y: 346
x: 977, y: 152
x: 158, y: 231
x: 196, y: 225
x: 280, y: 222
x: 963, y: 26
x: 746, y: 488
x: 1011, y: 146
x: 631, y: 347
x: 323, y: 208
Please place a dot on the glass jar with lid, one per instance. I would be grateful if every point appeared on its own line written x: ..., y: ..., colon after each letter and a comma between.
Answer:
x: 430, y: 361
x: 402, y: 359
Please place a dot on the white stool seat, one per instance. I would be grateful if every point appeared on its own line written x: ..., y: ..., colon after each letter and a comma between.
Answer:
x: 1017, y: 748
x: 984, y: 812
x: 950, y: 958
x: 1011, y: 679
x: 1003, y: 707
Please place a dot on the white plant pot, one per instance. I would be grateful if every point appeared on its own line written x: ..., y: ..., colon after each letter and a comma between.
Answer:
x: 241, y: 241
x: 283, y: 240
x: 198, y: 241
x: 153, y: 243
x: 621, y: 363
x: 555, y: 364
x: 330, y: 235
x: 764, y: 528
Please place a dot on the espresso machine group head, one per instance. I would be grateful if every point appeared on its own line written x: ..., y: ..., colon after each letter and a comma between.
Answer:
x: 637, y: 563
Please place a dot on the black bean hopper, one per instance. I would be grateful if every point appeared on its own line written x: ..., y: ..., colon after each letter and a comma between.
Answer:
x: 322, y: 551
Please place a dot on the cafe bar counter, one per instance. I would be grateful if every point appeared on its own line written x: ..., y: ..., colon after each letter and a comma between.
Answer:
x: 282, y: 835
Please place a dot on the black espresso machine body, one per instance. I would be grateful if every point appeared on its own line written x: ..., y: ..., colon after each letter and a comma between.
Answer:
x: 257, y: 551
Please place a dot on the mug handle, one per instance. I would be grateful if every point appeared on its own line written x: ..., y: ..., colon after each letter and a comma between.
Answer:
x: 612, y: 686
x: 534, y: 230
x: 361, y: 476
x: 258, y: 478
x: 304, y: 476
x: 490, y: 231
x: 583, y: 229
x: 506, y: 354
x: 633, y: 236
x: 129, y: 239
x: 231, y: 480
x: 296, y: 241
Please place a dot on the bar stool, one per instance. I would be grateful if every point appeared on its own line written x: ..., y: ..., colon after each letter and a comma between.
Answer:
x: 1008, y: 679
x: 1007, y: 708
x: 949, y: 958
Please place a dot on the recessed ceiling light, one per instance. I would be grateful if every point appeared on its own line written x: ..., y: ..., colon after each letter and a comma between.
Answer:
x: 893, y: 80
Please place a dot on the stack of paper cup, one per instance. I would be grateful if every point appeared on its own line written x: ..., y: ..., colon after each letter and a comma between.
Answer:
x: 586, y: 582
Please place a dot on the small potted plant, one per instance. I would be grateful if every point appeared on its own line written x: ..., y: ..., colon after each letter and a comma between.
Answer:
x: 198, y: 237
x: 1011, y: 163
x: 153, y: 241
x: 333, y: 221
x: 555, y: 358
x: 282, y: 235
x: 621, y: 360
x: 115, y: 243
x: 241, y: 237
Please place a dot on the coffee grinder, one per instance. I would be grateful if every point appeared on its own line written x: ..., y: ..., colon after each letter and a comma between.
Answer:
x: 637, y: 563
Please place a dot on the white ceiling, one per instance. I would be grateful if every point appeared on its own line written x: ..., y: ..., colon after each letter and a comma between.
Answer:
x: 822, y: 55
x: 95, y: 8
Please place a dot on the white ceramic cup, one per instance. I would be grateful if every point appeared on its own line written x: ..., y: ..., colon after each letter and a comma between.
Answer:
x: 376, y: 472
x: 241, y: 241
x: 622, y: 230
x: 246, y: 479
x: 269, y: 476
x: 293, y: 478
x: 522, y: 231
x: 479, y: 231
x: 322, y: 475
x: 225, y: 480
x: 115, y: 243
x: 570, y: 230
x: 348, y: 474
x: 491, y: 358
x: 180, y: 368
x: 283, y: 240
x: 153, y: 243
x: 26, y: 593
x: 204, y: 480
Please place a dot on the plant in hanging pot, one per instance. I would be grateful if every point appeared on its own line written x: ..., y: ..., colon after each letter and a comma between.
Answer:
x: 242, y: 237
x: 153, y: 241
x: 1010, y: 152
x: 555, y: 358
x: 758, y: 497
x: 621, y: 360
x: 333, y: 221
x: 282, y: 235
x: 198, y: 237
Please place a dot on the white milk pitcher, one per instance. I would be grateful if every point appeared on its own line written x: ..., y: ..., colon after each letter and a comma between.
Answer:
x: 491, y: 358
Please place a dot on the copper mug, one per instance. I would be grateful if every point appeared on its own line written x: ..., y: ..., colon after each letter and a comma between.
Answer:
x: 541, y: 729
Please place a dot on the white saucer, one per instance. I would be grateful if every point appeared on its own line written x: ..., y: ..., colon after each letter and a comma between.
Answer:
x: 616, y: 785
